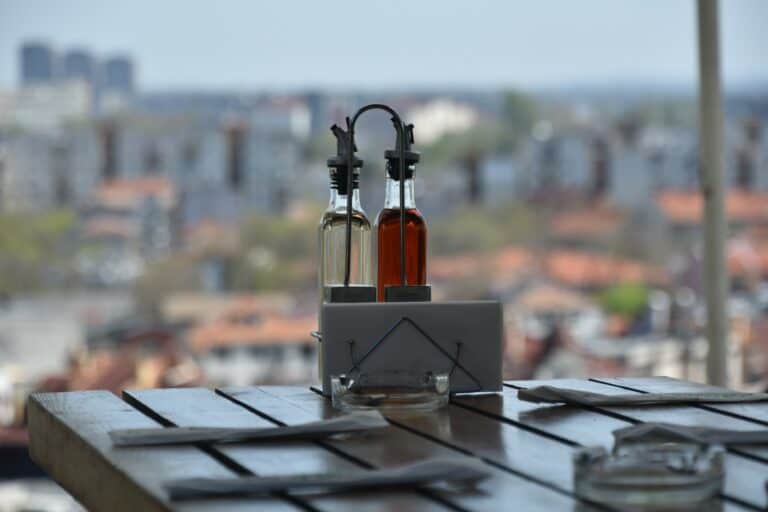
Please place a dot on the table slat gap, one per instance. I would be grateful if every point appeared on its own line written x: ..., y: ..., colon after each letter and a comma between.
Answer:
x: 496, y: 464
x: 761, y: 458
x: 188, y: 407
x: 734, y: 455
x: 205, y: 447
x: 713, y: 408
x: 318, y: 398
x: 326, y: 446
x: 341, y: 453
x: 213, y: 452
x: 757, y: 457
x: 69, y: 439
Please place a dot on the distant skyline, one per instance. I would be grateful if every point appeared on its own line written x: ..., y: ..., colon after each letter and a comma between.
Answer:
x: 242, y: 44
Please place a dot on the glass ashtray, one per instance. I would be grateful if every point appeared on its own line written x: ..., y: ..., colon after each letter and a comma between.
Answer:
x: 650, y: 475
x: 390, y: 390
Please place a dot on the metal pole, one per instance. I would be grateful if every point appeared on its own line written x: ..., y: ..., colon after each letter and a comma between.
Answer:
x: 711, y: 167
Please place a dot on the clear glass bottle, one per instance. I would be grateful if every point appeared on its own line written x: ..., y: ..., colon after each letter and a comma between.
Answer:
x: 332, y: 236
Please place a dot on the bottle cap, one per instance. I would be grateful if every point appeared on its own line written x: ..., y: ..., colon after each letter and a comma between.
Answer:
x: 393, y: 156
x: 339, y: 163
x: 343, y: 149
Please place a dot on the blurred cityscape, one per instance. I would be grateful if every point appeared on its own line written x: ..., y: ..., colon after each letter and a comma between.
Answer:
x: 153, y: 239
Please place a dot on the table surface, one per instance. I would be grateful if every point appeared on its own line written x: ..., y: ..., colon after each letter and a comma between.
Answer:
x: 527, y: 447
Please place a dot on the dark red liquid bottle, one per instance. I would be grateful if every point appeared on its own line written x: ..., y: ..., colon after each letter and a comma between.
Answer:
x: 388, y: 235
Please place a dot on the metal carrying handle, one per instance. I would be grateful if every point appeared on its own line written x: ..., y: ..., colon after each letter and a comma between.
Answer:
x: 401, y: 134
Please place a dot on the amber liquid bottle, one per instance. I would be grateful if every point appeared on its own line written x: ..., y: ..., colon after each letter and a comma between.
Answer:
x: 388, y: 234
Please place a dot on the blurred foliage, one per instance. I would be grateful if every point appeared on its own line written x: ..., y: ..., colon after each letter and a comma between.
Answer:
x: 452, y: 148
x: 319, y: 147
x: 277, y: 252
x: 519, y: 112
x: 277, y: 276
x: 161, y: 278
x: 465, y: 230
x: 287, y: 238
x: 474, y: 229
x: 489, y: 136
x: 627, y: 299
x: 668, y: 112
x: 34, y: 249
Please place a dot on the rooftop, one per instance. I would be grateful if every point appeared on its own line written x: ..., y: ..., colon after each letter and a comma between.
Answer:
x: 594, y: 222
x: 129, y: 193
x: 686, y: 207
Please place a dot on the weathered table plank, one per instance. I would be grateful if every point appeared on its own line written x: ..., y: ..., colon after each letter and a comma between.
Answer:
x: 742, y: 484
x: 682, y: 414
x: 526, y: 446
x: 195, y: 407
x: 756, y: 412
x: 395, y: 446
x: 590, y: 428
x: 69, y: 439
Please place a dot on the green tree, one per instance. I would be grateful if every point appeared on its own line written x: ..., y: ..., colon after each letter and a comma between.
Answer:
x: 276, y: 253
x: 176, y: 273
x: 628, y: 299
x: 518, y: 112
x: 478, y: 229
x: 34, y: 250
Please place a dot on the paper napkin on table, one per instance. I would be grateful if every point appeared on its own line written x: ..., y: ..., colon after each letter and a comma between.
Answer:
x: 464, y: 471
x: 354, y: 422
x: 706, y: 435
x: 552, y: 394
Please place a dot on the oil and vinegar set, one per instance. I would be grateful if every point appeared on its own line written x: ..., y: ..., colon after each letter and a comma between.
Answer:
x: 383, y: 341
x: 349, y: 271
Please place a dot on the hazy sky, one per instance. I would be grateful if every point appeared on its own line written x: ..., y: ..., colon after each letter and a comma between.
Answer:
x: 292, y: 43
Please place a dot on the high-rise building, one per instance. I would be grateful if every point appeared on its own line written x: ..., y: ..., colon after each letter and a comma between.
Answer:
x: 79, y: 64
x: 117, y: 75
x: 37, y: 63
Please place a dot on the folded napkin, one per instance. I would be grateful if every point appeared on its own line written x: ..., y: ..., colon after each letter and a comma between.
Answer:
x: 354, y: 422
x: 552, y: 394
x: 465, y: 472
x: 705, y: 435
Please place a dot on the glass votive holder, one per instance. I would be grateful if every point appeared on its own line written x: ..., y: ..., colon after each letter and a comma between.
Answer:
x: 390, y: 390
x: 650, y: 475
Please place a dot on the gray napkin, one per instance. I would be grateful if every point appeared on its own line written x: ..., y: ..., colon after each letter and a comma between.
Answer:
x: 552, y: 394
x: 704, y: 435
x: 355, y: 422
x: 457, y: 471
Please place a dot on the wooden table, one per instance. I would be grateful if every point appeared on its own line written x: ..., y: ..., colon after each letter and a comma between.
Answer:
x: 527, y: 447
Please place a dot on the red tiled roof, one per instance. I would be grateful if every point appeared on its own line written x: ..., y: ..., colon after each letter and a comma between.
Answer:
x: 271, y: 329
x: 747, y: 257
x: 127, y: 193
x: 569, y: 267
x: 129, y: 365
x: 589, y: 269
x: 546, y: 297
x: 685, y: 207
x: 455, y: 267
x: 211, y: 234
x: 589, y: 223
x: 513, y: 259
x: 109, y: 226
x: 504, y: 263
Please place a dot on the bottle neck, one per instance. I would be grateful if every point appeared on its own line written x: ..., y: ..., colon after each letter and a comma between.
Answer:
x: 392, y: 197
x: 339, y: 201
